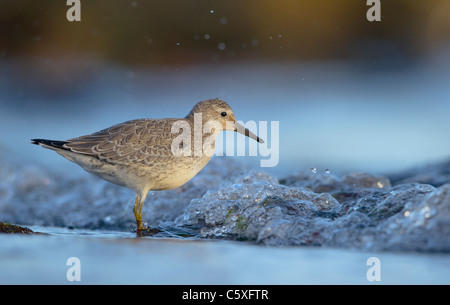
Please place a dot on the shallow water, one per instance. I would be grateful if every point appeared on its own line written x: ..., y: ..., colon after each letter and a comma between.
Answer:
x: 109, y: 257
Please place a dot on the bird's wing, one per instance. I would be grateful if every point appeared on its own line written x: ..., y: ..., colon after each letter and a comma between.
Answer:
x: 138, y: 141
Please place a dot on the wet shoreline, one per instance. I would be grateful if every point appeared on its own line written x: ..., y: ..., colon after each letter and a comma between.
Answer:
x: 356, y: 210
x: 109, y: 257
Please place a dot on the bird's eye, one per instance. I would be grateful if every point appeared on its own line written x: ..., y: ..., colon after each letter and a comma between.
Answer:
x: 223, y: 114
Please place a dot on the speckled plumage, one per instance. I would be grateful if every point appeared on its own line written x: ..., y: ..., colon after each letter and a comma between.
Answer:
x: 138, y: 154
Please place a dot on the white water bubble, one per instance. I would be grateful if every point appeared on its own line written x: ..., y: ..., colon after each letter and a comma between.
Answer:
x: 221, y: 46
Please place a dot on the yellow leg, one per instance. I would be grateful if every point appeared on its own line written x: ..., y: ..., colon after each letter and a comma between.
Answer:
x: 138, y: 213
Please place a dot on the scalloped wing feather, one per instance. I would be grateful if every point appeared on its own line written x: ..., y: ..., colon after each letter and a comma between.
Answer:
x: 138, y: 141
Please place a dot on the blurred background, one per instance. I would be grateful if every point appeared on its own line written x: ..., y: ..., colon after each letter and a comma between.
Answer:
x: 349, y: 94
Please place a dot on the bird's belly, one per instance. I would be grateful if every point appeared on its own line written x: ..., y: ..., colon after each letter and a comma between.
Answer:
x: 140, y: 177
x: 171, y: 181
x: 170, y: 176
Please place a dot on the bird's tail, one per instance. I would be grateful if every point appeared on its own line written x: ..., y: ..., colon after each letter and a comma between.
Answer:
x: 52, y: 144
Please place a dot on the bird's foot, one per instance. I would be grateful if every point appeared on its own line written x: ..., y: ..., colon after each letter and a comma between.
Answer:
x: 147, y: 231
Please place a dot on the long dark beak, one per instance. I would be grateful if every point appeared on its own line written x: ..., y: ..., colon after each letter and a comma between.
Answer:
x: 242, y: 130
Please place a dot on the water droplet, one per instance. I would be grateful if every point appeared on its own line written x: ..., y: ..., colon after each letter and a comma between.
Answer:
x: 133, y: 3
x: 314, y: 170
x: 406, y: 213
x: 327, y: 171
x: 221, y: 46
x: 255, y: 42
x: 426, y: 210
x: 206, y: 36
x: 224, y: 20
x: 211, y: 11
x: 178, y: 43
x: 279, y: 35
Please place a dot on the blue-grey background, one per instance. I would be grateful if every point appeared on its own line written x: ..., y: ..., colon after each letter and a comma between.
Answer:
x: 349, y: 95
